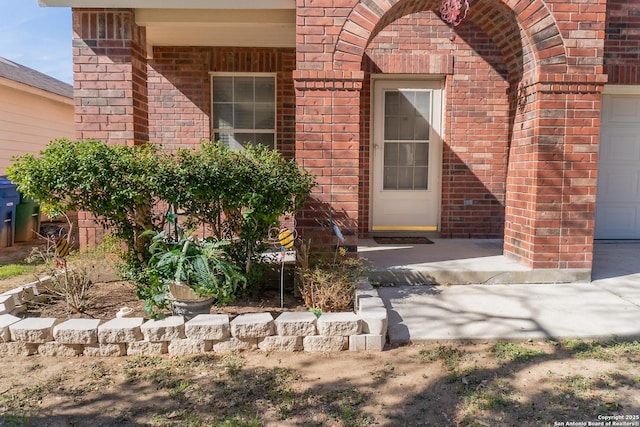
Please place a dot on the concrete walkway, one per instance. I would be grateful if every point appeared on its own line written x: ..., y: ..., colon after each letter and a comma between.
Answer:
x: 606, y: 307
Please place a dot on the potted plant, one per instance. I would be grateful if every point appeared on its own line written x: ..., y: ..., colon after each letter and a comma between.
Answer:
x: 191, y: 273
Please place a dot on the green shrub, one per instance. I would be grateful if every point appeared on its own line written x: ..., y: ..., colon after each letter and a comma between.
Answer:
x: 118, y: 184
x: 239, y: 195
x: 236, y: 195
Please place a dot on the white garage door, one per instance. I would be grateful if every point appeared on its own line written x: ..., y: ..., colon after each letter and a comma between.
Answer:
x: 618, y: 198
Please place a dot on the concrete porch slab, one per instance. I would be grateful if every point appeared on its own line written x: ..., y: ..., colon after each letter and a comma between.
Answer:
x: 507, y: 312
x: 455, y: 262
x: 607, y: 307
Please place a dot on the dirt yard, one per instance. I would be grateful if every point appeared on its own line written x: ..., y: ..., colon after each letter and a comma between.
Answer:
x: 490, y: 384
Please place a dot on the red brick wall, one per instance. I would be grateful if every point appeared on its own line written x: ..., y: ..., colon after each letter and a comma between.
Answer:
x: 553, y: 57
x: 553, y: 158
x: 110, y: 91
x: 476, y: 128
x: 327, y: 144
x: 364, y: 187
x: 552, y: 178
x: 110, y: 86
x: 622, y: 45
x: 550, y: 52
x: 180, y: 91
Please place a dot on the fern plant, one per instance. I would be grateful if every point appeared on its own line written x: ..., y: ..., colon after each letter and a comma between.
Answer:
x: 201, y: 264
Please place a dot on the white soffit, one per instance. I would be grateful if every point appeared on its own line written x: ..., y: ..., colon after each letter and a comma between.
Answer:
x: 172, y: 4
x: 189, y: 27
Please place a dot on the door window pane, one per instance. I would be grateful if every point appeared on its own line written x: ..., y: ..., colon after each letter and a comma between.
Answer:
x: 421, y: 129
x: 391, y: 128
x: 423, y: 103
x: 405, y: 179
x: 223, y: 115
x: 243, y: 116
x: 406, y: 115
x: 406, y: 129
x: 391, y: 154
x: 406, y: 166
x: 406, y: 139
x: 265, y: 117
x: 390, y: 178
x: 391, y: 103
x: 407, y: 100
x: 422, y: 154
x: 406, y: 154
x: 420, y: 178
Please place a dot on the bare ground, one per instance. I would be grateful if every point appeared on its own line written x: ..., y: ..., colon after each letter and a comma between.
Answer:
x: 106, y: 299
x: 409, y: 386
x: 489, y: 384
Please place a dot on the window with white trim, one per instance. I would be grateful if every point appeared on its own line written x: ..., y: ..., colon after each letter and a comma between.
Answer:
x: 244, y: 109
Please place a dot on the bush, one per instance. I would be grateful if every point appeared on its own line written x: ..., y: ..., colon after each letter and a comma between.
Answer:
x: 117, y: 184
x: 327, y: 284
x: 236, y: 195
x: 71, y: 279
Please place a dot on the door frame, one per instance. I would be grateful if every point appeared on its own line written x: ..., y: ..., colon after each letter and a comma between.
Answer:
x: 439, y: 82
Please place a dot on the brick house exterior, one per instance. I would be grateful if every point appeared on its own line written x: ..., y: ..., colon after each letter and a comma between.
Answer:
x: 519, y: 88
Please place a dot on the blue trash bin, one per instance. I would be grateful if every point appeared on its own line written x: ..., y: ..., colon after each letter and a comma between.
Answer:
x: 9, y: 199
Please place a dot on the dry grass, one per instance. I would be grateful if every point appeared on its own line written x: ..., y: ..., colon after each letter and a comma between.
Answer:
x: 444, y: 385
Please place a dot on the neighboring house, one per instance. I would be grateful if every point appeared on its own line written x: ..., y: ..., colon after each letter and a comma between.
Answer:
x: 34, y: 109
x: 486, y: 129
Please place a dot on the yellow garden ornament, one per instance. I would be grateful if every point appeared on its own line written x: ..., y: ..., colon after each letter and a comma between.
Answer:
x: 286, y: 238
x: 283, y: 238
x: 62, y: 250
x: 62, y: 247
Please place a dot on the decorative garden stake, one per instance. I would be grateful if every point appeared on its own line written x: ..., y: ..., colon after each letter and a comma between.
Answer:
x: 284, y: 238
x: 454, y: 11
x: 342, y: 250
x: 62, y: 250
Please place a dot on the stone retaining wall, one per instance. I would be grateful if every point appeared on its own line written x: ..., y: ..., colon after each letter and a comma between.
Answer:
x: 364, y: 330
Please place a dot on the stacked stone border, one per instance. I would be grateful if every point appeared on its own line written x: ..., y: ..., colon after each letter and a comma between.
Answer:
x: 365, y: 329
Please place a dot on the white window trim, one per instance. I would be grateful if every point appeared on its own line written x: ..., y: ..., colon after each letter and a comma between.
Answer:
x: 245, y: 74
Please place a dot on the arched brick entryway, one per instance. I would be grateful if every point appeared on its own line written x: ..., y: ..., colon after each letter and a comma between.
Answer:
x: 551, y: 69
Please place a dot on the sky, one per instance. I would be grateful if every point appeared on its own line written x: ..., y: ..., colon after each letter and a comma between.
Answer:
x: 37, y: 37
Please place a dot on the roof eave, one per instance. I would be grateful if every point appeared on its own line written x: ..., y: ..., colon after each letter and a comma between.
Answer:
x: 35, y: 91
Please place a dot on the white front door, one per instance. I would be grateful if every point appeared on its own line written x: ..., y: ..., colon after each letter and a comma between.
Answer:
x: 406, y: 156
x: 618, y: 196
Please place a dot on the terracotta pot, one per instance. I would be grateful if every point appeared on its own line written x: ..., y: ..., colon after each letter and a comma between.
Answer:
x: 182, y: 292
x: 186, y: 303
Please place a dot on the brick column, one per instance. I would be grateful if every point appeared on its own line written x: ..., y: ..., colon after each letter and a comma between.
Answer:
x: 110, y: 87
x: 110, y: 76
x: 551, y: 188
x: 327, y: 144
